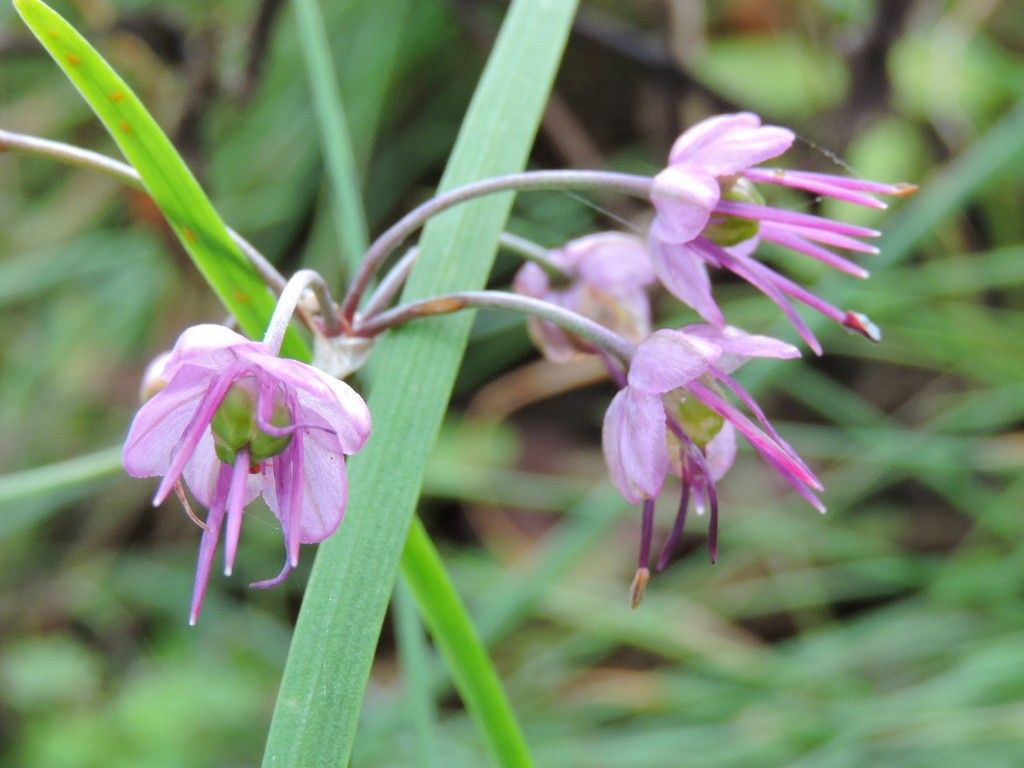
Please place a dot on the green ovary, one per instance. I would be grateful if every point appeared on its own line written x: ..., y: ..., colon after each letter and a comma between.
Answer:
x: 732, y: 230
x: 697, y: 420
x: 234, y: 426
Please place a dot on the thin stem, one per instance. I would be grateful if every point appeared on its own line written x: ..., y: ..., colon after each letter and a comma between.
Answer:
x: 289, y: 300
x: 531, y: 251
x: 385, y: 245
x: 581, y: 326
x: 392, y: 283
x: 85, y: 158
x: 397, y: 275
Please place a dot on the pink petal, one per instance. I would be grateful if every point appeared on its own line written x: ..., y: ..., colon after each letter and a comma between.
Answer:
x: 684, y: 197
x: 682, y: 271
x: 730, y: 143
x: 721, y: 452
x: 612, y: 261
x: 635, y: 448
x: 739, y: 346
x: 531, y: 280
x: 324, y: 487
x: 310, y: 498
x: 705, y: 133
x: 159, y: 424
x: 669, y: 359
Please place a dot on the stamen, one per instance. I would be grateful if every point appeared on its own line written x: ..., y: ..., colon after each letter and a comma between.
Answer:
x: 643, y: 571
x: 676, y: 534
x: 208, y: 544
x: 179, y: 490
x: 861, y: 323
x: 236, y: 508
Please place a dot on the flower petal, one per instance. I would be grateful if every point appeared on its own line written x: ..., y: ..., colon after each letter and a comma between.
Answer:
x: 730, y: 143
x: 684, y: 197
x: 612, y: 261
x: 635, y: 448
x: 683, y: 273
x: 531, y: 280
x: 720, y: 452
x: 739, y: 346
x: 159, y: 424
x: 669, y: 359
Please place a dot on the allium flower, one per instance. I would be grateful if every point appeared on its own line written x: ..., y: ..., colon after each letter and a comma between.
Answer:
x: 672, y: 417
x: 607, y: 276
x: 236, y: 421
x: 709, y: 213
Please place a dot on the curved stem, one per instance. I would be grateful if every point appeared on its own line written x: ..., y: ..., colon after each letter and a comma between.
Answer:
x: 85, y: 158
x: 392, y: 283
x: 581, y: 326
x: 289, y: 300
x: 385, y: 245
x: 397, y: 275
x: 531, y: 251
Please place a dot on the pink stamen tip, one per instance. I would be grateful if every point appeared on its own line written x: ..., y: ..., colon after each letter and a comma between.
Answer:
x: 861, y: 323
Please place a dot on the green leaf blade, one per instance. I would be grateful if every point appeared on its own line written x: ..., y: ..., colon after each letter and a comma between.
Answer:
x: 336, y: 636
x: 164, y: 174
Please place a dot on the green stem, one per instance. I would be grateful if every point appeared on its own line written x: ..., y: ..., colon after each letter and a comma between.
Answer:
x: 349, y: 219
x: 474, y: 674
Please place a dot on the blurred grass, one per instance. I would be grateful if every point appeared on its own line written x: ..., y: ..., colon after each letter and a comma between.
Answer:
x: 887, y: 633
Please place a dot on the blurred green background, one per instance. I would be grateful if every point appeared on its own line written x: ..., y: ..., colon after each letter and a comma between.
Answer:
x: 888, y: 633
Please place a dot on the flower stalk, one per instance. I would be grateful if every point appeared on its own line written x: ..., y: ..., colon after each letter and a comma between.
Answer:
x: 94, y: 161
x: 390, y: 240
x: 586, y: 329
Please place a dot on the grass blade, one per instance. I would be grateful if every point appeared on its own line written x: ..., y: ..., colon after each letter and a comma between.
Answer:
x: 349, y: 217
x: 166, y: 177
x: 334, y: 641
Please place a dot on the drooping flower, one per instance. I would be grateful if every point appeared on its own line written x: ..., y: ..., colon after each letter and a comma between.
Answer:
x: 671, y: 416
x: 606, y: 278
x: 709, y: 213
x: 236, y: 421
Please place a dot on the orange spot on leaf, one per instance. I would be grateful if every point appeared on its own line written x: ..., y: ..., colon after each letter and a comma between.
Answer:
x: 117, y: 96
x: 241, y: 296
x: 125, y: 126
x: 74, y: 59
x: 189, y: 235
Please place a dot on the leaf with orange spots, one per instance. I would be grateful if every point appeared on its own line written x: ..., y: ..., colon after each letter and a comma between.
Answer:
x: 166, y: 177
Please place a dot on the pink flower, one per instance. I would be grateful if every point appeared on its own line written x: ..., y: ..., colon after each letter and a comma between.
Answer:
x: 671, y: 417
x: 608, y: 275
x: 236, y: 421
x: 709, y: 213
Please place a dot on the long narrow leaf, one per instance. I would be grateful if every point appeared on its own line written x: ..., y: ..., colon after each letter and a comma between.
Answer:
x: 166, y: 177
x: 334, y: 641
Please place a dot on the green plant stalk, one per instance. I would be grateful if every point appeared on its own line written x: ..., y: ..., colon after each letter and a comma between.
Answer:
x: 339, y: 624
x: 449, y: 623
x: 164, y: 174
x: 347, y: 205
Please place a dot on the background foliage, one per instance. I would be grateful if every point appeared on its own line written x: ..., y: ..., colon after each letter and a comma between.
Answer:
x: 886, y: 633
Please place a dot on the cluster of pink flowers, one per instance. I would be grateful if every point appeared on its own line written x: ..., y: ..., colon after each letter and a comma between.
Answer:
x: 231, y: 420
x: 671, y: 414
